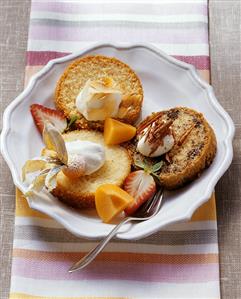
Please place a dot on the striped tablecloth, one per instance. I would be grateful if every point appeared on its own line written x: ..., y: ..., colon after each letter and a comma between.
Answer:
x: 181, y: 261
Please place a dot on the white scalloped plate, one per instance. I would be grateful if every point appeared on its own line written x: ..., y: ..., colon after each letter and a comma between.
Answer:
x: 167, y: 83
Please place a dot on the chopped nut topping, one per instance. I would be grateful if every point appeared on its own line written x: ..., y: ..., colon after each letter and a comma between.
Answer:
x: 156, y: 132
x: 147, y: 123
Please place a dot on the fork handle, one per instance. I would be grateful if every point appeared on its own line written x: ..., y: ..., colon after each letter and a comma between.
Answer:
x: 89, y: 257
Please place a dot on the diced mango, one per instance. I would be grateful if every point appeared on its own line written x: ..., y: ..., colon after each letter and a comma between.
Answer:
x: 116, y: 132
x: 110, y: 200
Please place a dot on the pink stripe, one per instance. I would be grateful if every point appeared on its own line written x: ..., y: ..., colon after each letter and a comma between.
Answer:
x: 200, y: 62
x: 141, y: 34
x: 140, y: 8
x: 57, y: 270
x: 42, y: 57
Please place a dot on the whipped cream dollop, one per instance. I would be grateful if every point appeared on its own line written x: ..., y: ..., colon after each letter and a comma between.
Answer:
x: 146, y: 148
x: 99, y: 100
x: 92, y: 153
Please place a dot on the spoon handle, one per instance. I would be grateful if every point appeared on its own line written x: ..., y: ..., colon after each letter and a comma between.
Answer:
x: 89, y: 257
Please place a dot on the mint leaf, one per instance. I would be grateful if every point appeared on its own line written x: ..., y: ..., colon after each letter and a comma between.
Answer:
x: 157, y: 167
x: 139, y: 164
x: 72, y: 121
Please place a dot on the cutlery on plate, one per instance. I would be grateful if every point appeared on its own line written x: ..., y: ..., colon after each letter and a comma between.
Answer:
x: 145, y: 212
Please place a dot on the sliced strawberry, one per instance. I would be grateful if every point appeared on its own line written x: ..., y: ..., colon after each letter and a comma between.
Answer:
x: 41, y: 114
x: 140, y: 185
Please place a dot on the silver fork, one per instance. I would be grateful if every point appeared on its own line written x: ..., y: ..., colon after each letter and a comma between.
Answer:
x: 145, y: 212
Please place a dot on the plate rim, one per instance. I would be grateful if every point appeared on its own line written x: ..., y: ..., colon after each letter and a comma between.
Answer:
x: 126, y: 46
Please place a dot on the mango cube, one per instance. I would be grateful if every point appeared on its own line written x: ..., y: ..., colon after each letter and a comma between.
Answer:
x: 110, y: 200
x: 116, y: 132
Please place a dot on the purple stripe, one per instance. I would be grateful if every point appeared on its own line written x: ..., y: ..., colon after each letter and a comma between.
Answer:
x: 57, y: 270
x: 200, y: 62
x: 42, y: 57
x: 112, y: 34
x: 119, y: 8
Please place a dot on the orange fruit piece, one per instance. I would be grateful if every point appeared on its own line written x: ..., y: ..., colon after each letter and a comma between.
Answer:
x: 110, y: 200
x: 116, y: 132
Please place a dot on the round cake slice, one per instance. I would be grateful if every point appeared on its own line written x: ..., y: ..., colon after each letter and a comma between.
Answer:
x: 194, y: 146
x: 98, y: 68
x: 80, y: 193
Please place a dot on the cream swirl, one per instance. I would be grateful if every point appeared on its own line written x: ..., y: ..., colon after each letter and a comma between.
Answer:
x: 93, y: 154
x: 155, y: 137
x: 146, y: 149
x: 99, y: 100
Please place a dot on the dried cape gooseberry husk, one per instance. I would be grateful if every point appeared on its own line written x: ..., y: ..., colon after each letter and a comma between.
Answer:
x: 50, y: 180
x: 38, y: 183
x: 33, y: 165
x: 54, y: 141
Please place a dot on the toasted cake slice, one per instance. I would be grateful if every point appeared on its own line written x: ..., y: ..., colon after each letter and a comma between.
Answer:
x: 194, y: 148
x: 80, y: 192
x: 96, y: 68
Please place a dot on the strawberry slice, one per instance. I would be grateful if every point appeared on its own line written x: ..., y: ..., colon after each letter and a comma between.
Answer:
x: 40, y: 114
x: 140, y: 185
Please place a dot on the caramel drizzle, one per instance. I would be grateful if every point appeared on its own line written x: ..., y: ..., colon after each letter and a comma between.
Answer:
x: 184, y: 135
x: 156, y: 132
x: 145, y: 124
x: 180, y: 141
x: 159, y: 129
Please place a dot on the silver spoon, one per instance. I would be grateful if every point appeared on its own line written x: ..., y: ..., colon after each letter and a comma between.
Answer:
x: 146, y: 212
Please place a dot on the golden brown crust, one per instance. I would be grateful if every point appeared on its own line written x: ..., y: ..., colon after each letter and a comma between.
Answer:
x: 80, y: 193
x: 80, y: 201
x: 194, y: 153
x: 97, y: 67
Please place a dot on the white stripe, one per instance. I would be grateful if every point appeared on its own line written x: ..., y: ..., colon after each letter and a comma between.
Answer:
x: 119, y: 17
x: 67, y: 46
x: 86, y: 245
x: 112, y: 288
x: 197, y: 225
x: 160, y: 2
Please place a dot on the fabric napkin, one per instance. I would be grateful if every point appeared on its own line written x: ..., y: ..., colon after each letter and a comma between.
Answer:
x: 181, y: 261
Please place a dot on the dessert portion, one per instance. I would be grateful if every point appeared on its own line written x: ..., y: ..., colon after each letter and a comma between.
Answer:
x: 111, y: 167
x: 74, y: 165
x: 182, y: 139
x: 96, y: 87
